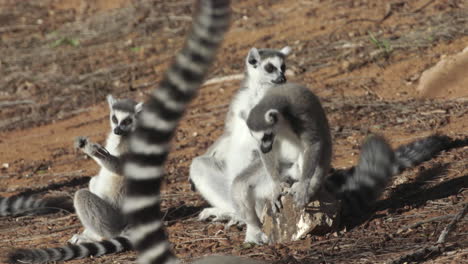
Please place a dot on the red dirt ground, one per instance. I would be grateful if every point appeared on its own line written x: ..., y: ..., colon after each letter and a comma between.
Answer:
x: 58, y: 60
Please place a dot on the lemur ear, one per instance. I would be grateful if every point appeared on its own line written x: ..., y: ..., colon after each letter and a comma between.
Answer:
x: 254, y: 57
x: 138, y: 107
x: 271, y: 116
x: 286, y: 50
x: 110, y: 100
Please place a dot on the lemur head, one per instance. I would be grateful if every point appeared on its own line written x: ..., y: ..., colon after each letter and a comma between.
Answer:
x: 267, y: 66
x: 263, y: 125
x: 123, y: 113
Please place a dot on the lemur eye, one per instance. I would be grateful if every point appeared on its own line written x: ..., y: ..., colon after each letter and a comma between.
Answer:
x: 283, y: 67
x: 127, y: 122
x: 114, y: 119
x: 269, y: 68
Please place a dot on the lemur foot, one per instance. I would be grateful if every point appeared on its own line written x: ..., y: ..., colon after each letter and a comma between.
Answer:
x: 256, y: 236
x: 234, y: 222
x: 78, y: 239
x: 217, y: 214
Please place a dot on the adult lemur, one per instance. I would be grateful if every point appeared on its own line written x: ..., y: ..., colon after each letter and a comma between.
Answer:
x: 99, y: 207
x: 212, y: 173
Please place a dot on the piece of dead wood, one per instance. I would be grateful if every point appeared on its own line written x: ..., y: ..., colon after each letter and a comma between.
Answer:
x: 291, y: 224
x: 434, y: 250
x: 417, y: 224
x: 422, y: 254
x: 449, y: 228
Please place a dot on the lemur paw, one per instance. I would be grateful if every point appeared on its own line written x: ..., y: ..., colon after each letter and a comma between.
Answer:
x: 256, y: 237
x: 78, y: 239
x: 300, y: 194
x: 90, y: 148
x: 276, y: 204
x: 80, y: 142
x: 234, y: 222
x: 217, y: 214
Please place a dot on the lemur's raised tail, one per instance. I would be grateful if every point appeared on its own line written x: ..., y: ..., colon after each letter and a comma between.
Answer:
x: 359, y: 187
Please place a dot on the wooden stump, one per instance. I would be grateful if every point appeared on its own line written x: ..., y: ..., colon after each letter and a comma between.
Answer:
x: 290, y: 224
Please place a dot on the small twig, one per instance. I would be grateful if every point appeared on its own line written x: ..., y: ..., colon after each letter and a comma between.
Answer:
x: 12, y: 103
x: 420, y: 254
x: 423, y: 6
x: 452, y: 224
x: 417, y: 224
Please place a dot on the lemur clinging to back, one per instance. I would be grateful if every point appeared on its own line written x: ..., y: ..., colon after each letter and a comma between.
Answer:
x: 99, y: 207
x: 212, y: 173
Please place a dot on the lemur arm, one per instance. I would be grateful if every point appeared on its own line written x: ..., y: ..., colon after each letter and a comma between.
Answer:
x: 100, y: 155
x: 310, y: 161
x: 270, y: 164
x: 308, y: 177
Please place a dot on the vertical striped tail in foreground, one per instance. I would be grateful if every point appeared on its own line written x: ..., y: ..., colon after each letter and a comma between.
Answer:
x: 33, y: 205
x: 149, y: 143
x: 69, y: 252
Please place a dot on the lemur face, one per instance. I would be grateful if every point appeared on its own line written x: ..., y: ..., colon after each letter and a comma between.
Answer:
x: 123, y: 115
x: 266, y: 136
x: 267, y: 66
x: 265, y: 139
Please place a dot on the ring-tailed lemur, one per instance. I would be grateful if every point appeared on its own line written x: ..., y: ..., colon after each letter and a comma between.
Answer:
x: 291, y: 116
x: 32, y: 204
x: 212, y: 173
x: 290, y: 126
x: 149, y: 144
x: 99, y: 207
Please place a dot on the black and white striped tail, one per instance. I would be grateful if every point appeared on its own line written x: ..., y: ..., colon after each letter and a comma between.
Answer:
x: 149, y: 144
x: 69, y: 252
x: 421, y: 150
x: 32, y: 205
x: 359, y: 187
x: 359, y: 190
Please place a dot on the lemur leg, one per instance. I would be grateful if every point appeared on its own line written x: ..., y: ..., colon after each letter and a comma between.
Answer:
x: 244, y: 195
x: 100, y: 219
x: 208, y: 176
x: 99, y: 154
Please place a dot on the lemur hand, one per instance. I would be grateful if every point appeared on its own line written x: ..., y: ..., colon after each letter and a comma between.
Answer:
x: 90, y: 148
x: 300, y: 192
x: 276, y: 198
x: 80, y: 142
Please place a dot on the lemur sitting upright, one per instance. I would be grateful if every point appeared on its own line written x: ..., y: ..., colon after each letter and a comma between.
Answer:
x: 213, y: 172
x: 99, y: 207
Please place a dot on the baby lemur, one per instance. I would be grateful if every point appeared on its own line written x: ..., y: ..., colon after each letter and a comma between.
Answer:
x: 99, y: 207
x: 213, y: 172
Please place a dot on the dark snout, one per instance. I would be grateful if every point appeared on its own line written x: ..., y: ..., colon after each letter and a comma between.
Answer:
x: 266, y: 146
x: 119, y: 131
x: 281, y: 79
